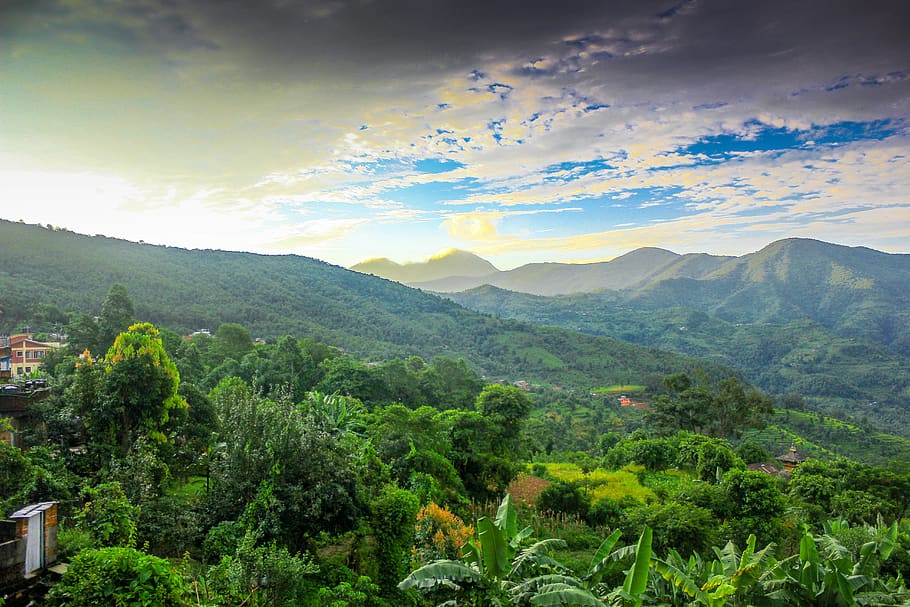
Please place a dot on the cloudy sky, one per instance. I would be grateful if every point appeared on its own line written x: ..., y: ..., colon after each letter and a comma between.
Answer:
x: 523, y: 131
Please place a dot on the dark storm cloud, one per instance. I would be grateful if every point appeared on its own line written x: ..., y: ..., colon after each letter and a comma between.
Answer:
x: 688, y: 35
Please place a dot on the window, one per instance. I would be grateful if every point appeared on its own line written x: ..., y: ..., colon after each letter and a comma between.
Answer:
x: 28, y: 369
x: 19, y: 353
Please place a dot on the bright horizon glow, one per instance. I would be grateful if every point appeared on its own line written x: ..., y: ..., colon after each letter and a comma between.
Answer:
x: 522, y: 133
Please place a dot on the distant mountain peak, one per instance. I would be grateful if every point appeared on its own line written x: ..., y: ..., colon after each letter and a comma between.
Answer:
x: 443, y: 264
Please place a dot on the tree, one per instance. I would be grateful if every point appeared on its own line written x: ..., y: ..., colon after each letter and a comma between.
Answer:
x: 107, y: 516
x: 394, y: 526
x: 140, y: 387
x: 566, y: 497
x: 310, y: 467
x: 231, y: 341
x: 758, y: 505
x: 117, y: 313
x: 723, y: 411
x: 507, y: 407
x: 449, y: 383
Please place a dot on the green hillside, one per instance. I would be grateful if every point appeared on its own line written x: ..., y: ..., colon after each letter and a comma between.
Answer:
x: 838, y: 374
x: 273, y: 296
x: 853, y: 291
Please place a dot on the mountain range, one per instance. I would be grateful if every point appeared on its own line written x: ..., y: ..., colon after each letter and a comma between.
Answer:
x: 802, y: 317
x: 46, y: 273
x: 854, y: 291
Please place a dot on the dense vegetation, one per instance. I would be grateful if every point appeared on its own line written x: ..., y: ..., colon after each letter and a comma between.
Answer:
x: 851, y: 377
x: 218, y: 471
x: 47, y: 274
x: 382, y: 468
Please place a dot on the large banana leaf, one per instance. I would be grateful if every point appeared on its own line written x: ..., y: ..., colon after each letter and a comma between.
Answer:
x: 602, y: 558
x: 566, y: 596
x: 441, y: 573
x: 637, y: 578
x: 507, y: 517
x: 494, y: 549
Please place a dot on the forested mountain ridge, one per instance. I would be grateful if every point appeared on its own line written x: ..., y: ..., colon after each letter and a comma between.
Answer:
x: 633, y: 270
x: 855, y: 292
x: 45, y: 272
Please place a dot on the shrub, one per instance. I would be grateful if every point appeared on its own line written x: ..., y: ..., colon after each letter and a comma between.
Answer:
x: 119, y: 577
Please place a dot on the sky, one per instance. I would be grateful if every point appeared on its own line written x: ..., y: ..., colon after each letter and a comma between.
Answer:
x: 522, y: 131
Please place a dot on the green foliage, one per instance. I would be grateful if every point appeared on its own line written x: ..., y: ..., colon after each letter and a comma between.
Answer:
x: 564, y: 497
x: 873, y: 491
x: 682, y: 527
x: 259, y: 575
x: 724, y: 410
x: 505, y: 406
x: 121, y: 577
x: 140, y: 387
x: 310, y: 466
x: 361, y: 593
x: 394, y: 515
x: 758, y: 505
x: 107, y: 515
x: 117, y: 313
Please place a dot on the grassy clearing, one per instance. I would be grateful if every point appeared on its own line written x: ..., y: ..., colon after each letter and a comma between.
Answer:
x: 620, y: 389
x: 603, y: 484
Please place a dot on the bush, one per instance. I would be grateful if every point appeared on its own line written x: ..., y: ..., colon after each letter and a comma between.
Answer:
x: 564, y: 497
x: 119, y: 577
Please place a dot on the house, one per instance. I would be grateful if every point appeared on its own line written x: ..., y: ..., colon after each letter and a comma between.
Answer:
x: 6, y: 365
x: 766, y: 467
x: 28, y: 542
x: 26, y: 354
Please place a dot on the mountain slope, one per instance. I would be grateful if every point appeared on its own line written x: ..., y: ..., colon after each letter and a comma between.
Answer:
x: 854, y: 291
x: 842, y: 375
x: 453, y: 262
x: 277, y: 295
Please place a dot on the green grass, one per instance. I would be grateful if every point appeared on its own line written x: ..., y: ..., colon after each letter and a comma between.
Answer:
x: 603, y: 484
x: 620, y: 388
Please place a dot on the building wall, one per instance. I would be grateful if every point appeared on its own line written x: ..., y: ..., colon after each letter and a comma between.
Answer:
x: 27, y: 355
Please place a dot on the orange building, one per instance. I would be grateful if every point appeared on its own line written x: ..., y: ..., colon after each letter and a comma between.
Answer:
x: 26, y: 354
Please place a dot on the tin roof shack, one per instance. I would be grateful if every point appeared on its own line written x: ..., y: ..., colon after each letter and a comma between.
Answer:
x: 28, y: 542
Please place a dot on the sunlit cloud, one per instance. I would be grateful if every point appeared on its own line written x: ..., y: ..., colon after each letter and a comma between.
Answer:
x: 336, y: 129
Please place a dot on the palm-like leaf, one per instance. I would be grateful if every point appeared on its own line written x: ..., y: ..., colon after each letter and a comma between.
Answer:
x: 561, y: 595
x: 441, y: 573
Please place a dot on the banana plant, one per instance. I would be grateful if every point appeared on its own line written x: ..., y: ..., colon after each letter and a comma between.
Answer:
x: 834, y: 576
x: 496, y: 570
x: 727, y: 578
x: 494, y: 566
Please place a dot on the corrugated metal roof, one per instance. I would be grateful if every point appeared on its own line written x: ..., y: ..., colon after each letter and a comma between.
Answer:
x: 30, y: 510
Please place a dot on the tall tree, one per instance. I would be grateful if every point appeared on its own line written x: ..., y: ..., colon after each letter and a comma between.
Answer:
x: 140, y: 386
x: 117, y: 313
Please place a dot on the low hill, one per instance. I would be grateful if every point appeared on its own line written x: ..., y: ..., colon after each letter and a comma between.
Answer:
x: 277, y: 295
